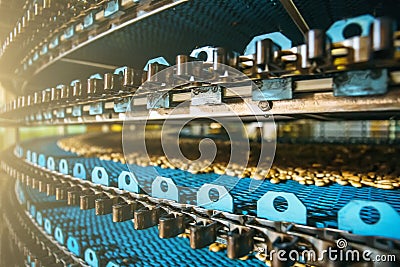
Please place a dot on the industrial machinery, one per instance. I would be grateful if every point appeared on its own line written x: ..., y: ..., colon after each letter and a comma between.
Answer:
x: 201, y: 132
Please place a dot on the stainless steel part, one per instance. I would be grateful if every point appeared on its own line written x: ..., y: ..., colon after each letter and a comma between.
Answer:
x: 180, y: 67
x: 316, y: 45
x: 295, y: 15
x: 382, y: 35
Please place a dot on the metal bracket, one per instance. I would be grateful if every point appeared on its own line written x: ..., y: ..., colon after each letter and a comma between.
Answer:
x: 69, y: 32
x: 361, y: 82
x: 48, y: 227
x: 42, y: 160
x: 79, y: 171
x: 296, y: 211
x: 223, y: 203
x: 28, y: 156
x: 165, y: 188
x: 171, y: 225
x: 88, y: 20
x: 91, y: 257
x: 32, y: 210
x: 59, y: 235
x: 47, y: 115
x: 127, y: 181
x: 60, y: 113
x: 34, y: 158
x: 63, y: 166
x: 111, y: 8
x: 335, y: 32
x: 277, y: 37
x: 96, y: 108
x: 274, y: 89
x: 207, y: 95
x: 349, y: 219
x: 73, y: 246
x: 100, y: 176
x: 39, y: 218
x: 51, y: 164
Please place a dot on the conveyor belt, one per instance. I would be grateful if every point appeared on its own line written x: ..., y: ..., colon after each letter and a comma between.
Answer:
x: 120, y: 243
x: 322, y: 203
x: 34, y: 177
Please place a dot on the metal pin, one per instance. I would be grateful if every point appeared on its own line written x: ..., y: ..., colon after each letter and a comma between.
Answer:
x: 153, y: 68
x: 382, y: 36
x: 181, y: 67
x: 265, y: 50
x: 95, y: 87
x: 316, y: 45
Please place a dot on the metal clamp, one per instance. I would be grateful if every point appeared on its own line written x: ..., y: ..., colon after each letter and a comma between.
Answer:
x: 202, y: 234
x: 127, y: 181
x: 39, y: 218
x: 171, y: 225
x: 335, y: 32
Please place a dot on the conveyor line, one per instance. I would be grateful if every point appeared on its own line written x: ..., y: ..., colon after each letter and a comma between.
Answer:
x: 100, y: 241
x: 322, y: 203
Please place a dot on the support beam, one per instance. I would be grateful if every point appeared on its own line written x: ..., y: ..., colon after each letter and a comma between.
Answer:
x: 89, y: 63
x: 294, y: 13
